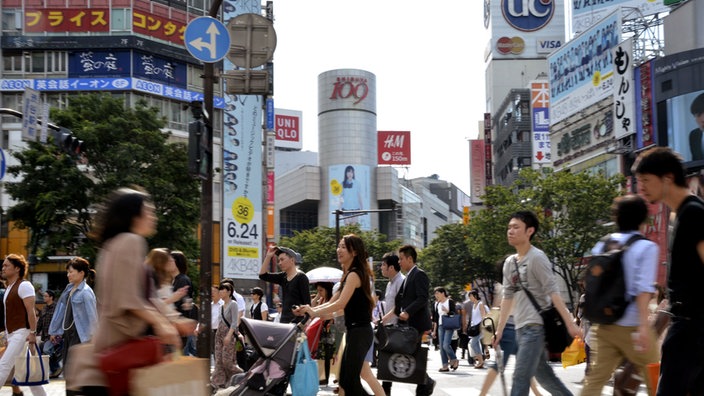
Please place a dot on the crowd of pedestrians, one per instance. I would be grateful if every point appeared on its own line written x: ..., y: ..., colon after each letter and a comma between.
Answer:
x: 140, y: 292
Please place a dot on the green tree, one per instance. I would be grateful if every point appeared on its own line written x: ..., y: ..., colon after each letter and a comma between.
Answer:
x: 318, y: 245
x: 125, y: 146
x: 51, y: 199
x: 573, y: 209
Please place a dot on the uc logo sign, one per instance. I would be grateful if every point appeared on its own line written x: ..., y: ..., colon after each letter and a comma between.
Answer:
x: 528, y: 15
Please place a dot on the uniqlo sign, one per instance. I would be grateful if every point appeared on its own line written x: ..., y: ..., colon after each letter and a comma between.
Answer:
x: 287, y: 126
x: 394, y: 147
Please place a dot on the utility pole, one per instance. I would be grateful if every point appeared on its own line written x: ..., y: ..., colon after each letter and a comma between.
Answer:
x: 206, y: 208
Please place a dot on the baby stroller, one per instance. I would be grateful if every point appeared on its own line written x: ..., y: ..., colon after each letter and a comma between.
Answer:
x: 276, y: 344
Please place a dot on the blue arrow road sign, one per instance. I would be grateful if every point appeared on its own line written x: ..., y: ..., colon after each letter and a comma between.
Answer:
x: 207, y: 39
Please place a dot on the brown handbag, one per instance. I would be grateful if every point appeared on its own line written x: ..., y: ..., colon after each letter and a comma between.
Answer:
x: 117, y: 361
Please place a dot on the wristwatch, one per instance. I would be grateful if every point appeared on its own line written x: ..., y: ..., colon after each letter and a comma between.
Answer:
x: 33, y: 332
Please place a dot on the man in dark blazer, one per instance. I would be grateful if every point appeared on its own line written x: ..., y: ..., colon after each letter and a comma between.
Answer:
x: 412, y: 303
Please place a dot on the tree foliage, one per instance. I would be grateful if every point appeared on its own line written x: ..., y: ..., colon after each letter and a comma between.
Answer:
x: 449, y: 263
x: 573, y: 209
x: 318, y: 246
x: 125, y: 146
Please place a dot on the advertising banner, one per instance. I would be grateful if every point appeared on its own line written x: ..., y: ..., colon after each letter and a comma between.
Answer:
x: 105, y: 84
x: 679, y: 104
x: 160, y: 69
x: 644, y: 102
x: 488, y: 171
x: 288, y: 126
x: 624, y: 90
x: 582, y: 71
x: 525, y: 28
x: 242, y: 228
x: 394, y: 148
x: 98, y: 63
x: 161, y: 27
x: 31, y: 111
x: 39, y: 20
x: 540, y: 122
x: 349, y: 191
x: 476, y: 169
x: 585, y: 13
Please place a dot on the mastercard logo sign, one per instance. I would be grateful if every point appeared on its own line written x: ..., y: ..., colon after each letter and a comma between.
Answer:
x: 510, y: 45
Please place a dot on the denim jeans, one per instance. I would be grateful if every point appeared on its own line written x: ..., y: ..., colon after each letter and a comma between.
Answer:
x: 54, y: 352
x: 531, y: 361
x: 447, y: 354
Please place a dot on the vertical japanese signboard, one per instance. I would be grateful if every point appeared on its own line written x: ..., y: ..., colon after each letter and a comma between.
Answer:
x: 540, y: 122
x: 242, y: 193
x: 487, y: 150
x: 30, y: 115
x: 624, y: 90
x: 476, y: 170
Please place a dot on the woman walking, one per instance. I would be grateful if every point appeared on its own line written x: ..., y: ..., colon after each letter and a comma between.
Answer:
x: 443, y: 307
x: 355, y: 298
x: 76, y: 314
x: 225, y: 361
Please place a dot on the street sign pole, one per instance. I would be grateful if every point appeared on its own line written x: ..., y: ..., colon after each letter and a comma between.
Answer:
x: 206, y: 211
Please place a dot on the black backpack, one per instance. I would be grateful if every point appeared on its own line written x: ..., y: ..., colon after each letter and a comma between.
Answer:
x: 605, y: 299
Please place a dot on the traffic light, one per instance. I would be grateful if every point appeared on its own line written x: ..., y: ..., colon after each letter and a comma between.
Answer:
x: 198, y: 155
x: 68, y: 143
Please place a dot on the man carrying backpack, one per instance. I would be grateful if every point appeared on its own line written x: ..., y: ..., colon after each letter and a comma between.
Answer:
x: 630, y: 336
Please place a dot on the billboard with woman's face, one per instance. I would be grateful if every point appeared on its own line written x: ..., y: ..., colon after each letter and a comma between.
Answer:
x: 348, y: 190
x: 679, y: 104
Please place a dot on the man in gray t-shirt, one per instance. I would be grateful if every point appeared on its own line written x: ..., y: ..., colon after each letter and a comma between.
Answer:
x: 530, y: 269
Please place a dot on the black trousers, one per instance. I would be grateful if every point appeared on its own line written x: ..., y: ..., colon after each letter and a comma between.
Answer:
x: 359, y: 340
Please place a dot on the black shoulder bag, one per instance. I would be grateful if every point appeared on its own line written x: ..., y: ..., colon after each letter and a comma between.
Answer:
x: 557, y: 338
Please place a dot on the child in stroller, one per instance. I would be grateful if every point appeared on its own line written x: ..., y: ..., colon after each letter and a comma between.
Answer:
x: 276, y: 344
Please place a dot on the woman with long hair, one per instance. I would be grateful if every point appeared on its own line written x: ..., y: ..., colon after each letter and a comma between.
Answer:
x: 162, y: 266
x: 126, y: 309
x: 76, y: 313
x: 225, y: 361
x: 355, y: 298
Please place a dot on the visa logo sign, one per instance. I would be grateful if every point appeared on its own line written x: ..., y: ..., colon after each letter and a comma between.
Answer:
x: 547, y: 46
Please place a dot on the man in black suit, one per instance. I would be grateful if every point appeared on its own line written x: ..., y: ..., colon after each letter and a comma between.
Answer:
x: 412, y: 303
x: 695, y: 135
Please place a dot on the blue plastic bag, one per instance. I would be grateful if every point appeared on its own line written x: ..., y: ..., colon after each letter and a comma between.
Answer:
x: 304, y: 381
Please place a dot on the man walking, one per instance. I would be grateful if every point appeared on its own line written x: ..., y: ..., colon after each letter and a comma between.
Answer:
x: 294, y: 283
x: 391, y: 269
x: 411, y: 303
x: 49, y: 347
x: 661, y: 178
x: 631, y: 337
x: 20, y: 316
x: 529, y: 269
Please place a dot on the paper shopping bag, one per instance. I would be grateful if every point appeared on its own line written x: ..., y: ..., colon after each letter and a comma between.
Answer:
x: 181, y: 376
x: 31, y: 367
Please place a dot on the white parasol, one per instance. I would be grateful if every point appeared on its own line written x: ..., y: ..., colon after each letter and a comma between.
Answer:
x: 324, y: 274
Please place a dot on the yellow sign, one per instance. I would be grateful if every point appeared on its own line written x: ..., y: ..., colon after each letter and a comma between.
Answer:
x: 243, y: 210
x: 335, y: 187
x: 468, y: 287
x: 241, y: 251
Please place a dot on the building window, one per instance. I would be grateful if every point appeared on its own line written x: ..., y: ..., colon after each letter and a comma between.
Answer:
x: 120, y: 20
x: 12, y: 62
x: 56, y: 61
x: 11, y: 20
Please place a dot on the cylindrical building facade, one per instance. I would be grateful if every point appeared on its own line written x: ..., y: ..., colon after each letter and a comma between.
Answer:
x: 347, y: 145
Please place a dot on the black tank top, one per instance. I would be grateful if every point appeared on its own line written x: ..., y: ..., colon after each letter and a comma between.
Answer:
x: 357, y: 310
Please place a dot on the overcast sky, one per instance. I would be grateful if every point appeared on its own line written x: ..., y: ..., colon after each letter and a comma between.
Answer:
x: 428, y: 58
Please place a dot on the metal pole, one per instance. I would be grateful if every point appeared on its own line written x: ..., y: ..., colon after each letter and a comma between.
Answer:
x: 206, y: 210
